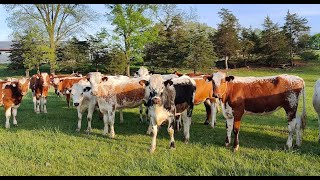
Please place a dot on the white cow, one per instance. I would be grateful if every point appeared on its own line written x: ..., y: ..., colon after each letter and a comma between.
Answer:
x: 316, y: 102
x: 84, y: 101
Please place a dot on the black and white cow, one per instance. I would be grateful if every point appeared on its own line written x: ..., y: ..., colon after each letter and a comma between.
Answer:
x: 167, y: 99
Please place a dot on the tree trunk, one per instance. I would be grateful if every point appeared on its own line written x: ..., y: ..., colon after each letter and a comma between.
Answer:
x: 128, y: 70
x: 291, y: 52
x: 226, y: 61
x: 53, y: 51
x: 27, y: 72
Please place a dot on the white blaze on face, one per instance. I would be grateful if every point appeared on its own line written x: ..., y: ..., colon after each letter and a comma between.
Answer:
x: 56, y: 81
x: 217, y: 78
x: 156, y: 85
x: 44, y: 76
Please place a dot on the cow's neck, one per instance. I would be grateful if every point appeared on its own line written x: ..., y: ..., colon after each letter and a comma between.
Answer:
x: 225, y: 95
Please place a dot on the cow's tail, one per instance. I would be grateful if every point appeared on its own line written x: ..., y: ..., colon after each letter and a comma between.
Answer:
x: 304, y: 113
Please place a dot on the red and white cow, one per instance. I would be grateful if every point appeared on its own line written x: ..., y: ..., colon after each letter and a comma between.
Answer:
x: 259, y: 95
x: 11, y: 94
x: 65, y: 85
x: 39, y: 85
x: 115, y: 93
x: 84, y: 101
x: 167, y: 99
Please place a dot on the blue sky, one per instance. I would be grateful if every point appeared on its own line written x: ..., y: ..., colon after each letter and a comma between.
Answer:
x: 248, y: 14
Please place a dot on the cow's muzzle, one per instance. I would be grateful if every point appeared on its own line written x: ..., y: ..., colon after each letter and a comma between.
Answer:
x: 76, y: 104
x: 156, y: 101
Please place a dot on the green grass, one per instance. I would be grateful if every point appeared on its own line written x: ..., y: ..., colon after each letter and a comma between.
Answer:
x: 47, y: 144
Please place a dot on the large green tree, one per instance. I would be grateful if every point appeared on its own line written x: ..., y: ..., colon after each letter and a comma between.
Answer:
x: 133, y: 29
x: 274, y: 43
x: 201, y: 56
x: 226, y: 40
x: 58, y: 21
x: 293, y: 27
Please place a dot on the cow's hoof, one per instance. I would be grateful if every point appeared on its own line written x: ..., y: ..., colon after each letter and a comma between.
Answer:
x: 206, y: 122
x: 112, y: 136
x: 15, y: 125
x: 38, y: 112
x: 45, y: 112
x: 7, y: 126
x: 172, y: 145
x: 151, y: 150
x: 235, y: 149
x: 227, y: 145
x: 186, y: 140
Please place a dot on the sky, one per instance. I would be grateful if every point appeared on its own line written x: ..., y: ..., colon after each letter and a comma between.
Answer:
x: 248, y: 15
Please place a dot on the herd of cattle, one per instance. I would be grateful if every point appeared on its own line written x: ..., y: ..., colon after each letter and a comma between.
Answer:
x: 168, y: 98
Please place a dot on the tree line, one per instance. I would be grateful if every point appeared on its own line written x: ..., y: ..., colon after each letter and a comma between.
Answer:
x: 157, y: 35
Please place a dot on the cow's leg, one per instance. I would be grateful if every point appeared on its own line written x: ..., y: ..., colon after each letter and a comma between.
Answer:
x: 319, y: 127
x: 8, y: 115
x: 41, y: 103
x: 292, y: 123
x: 178, y: 122
x: 147, y: 114
x: 218, y: 103
x: 34, y: 99
x: 236, y: 129
x: 213, y: 114
x: 186, y: 120
x: 38, y: 105
x: 291, y: 128
x: 14, y: 114
x: 79, y: 119
x: 149, y: 128
x: 89, y: 118
x: 111, y: 123
x: 105, y: 121
x: 207, y: 104
x: 298, y: 130
x: 45, y: 105
x: 229, y: 127
x: 141, y: 111
x: 171, y: 131
x: 154, y: 134
x: 121, y: 115
x: 68, y: 100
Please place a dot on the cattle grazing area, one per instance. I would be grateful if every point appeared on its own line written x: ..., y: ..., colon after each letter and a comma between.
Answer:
x: 48, y: 143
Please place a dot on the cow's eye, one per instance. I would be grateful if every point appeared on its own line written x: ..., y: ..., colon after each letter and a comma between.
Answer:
x: 81, y: 94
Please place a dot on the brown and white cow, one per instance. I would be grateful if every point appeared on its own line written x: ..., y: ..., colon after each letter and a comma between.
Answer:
x: 39, y: 85
x: 11, y: 94
x: 115, y: 93
x: 259, y: 95
x: 167, y: 99
x: 65, y: 85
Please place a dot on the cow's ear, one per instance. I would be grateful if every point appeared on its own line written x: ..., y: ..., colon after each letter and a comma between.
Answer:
x: 168, y: 82
x: 151, y: 72
x: 61, y: 80
x: 86, y: 89
x: 104, y: 78
x: 144, y: 82
x: 229, y: 78
x: 208, y: 78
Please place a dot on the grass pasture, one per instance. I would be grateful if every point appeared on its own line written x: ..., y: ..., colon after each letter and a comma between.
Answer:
x: 47, y: 144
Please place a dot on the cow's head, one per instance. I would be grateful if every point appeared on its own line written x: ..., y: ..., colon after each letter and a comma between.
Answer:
x: 79, y: 91
x: 155, y: 88
x: 95, y: 79
x: 142, y: 72
x: 45, y: 79
x: 219, y: 83
x: 23, y: 85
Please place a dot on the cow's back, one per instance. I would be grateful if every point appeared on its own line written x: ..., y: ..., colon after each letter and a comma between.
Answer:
x: 266, y: 94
